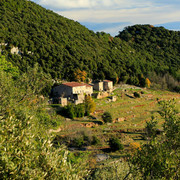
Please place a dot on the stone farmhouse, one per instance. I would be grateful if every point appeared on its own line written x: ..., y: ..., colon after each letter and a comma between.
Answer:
x: 71, y: 91
x: 105, y: 85
x: 75, y: 92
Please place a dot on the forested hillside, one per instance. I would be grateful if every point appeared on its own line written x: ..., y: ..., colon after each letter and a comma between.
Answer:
x: 61, y: 46
x: 157, y: 44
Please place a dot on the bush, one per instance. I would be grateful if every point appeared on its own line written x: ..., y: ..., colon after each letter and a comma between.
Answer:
x: 136, y: 94
x: 69, y: 111
x: 107, y: 117
x: 115, y: 144
x: 26, y: 150
x: 159, y: 158
x: 73, y: 111
x: 90, y: 105
x: 79, y: 110
x: 78, y: 142
x: 95, y: 140
x: 80, y: 139
x: 134, y: 146
x: 151, y: 128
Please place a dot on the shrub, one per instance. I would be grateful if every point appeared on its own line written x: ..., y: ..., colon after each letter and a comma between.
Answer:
x: 151, y: 128
x: 136, y: 94
x: 26, y: 150
x: 107, y: 117
x: 73, y: 111
x: 159, y: 158
x: 79, y: 110
x: 95, y: 140
x: 69, y: 111
x: 115, y: 144
x: 78, y: 142
x: 134, y: 146
x: 90, y: 105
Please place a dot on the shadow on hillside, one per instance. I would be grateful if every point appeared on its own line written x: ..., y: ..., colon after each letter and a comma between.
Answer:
x: 129, y: 96
x: 89, y: 120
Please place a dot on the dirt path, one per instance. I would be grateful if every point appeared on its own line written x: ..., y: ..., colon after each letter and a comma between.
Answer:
x: 55, y: 130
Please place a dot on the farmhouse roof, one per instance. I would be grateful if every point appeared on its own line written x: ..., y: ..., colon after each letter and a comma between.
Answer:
x: 87, y: 85
x: 75, y: 84
x: 107, y: 81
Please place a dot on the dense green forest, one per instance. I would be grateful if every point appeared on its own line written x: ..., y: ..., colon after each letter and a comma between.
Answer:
x: 61, y: 46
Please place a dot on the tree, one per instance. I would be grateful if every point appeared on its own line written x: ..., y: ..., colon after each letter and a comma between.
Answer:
x: 142, y: 80
x: 147, y: 83
x: 115, y: 144
x: 107, y: 117
x: 26, y: 150
x: 151, y: 128
x: 90, y: 105
x: 80, y: 76
x: 159, y: 158
x: 8, y: 67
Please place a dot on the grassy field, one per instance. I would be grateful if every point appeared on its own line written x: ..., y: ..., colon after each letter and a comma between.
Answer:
x: 129, y: 115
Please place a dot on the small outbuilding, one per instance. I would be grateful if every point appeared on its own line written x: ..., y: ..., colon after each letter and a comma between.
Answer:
x: 108, y: 85
x: 105, y: 85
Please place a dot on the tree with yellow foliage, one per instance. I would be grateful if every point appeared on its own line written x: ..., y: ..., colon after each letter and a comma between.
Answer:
x: 147, y: 83
x: 80, y: 76
x: 90, y: 105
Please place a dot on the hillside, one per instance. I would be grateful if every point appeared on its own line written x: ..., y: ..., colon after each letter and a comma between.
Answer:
x: 161, y: 44
x: 61, y: 46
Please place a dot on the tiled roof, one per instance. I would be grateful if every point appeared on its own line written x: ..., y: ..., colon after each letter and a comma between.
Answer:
x: 87, y: 85
x: 75, y: 84
x: 107, y: 81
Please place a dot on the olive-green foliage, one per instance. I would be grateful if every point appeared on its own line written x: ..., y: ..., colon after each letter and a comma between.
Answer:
x: 95, y: 140
x: 61, y: 46
x: 160, y: 158
x: 8, y: 67
x: 26, y: 151
x: 116, y: 169
x: 84, y: 140
x: 80, y: 110
x: 151, y: 128
x: 115, y: 144
x: 73, y: 111
x: 107, y: 117
x: 83, y: 137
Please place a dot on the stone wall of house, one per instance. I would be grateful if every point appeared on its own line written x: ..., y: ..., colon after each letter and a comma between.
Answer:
x: 89, y: 90
x: 82, y: 89
x: 78, y: 98
x: 114, y: 98
x: 98, y: 86
x: 62, y: 91
x: 108, y: 85
x: 63, y: 101
x: 78, y: 89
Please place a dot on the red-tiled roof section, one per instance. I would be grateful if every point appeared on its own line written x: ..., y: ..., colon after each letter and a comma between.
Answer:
x: 87, y: 85
x: 107, y: 81
x: 75, y: 84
